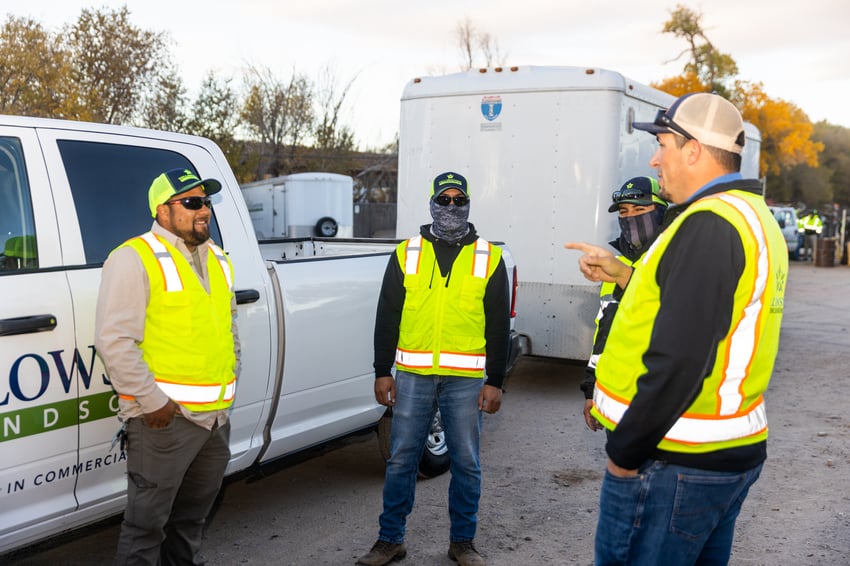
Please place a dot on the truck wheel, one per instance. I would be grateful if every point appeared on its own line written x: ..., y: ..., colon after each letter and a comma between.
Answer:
x: 326, y: 227
x: 435, y: 459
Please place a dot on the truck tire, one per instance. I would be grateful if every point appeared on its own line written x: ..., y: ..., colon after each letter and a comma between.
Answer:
x: 435, y: 459
x: 326, y: 227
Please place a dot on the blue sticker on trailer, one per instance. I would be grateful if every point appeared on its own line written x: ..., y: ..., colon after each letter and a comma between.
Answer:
x: 491, y: 107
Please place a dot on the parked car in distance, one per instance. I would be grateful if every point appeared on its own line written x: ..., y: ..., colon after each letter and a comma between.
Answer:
x: 787, y: 218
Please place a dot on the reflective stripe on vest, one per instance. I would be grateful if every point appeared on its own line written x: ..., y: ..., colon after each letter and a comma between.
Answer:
x: 742, y: 340
x: 693, y: 430
x: 445, y: 360
x: 480, y: 259
x: 222, y: 263
x: 412, y: 251
x: 170, y: 275
x: 197, y: 394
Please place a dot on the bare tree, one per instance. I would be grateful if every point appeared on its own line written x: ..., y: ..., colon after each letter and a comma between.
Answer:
x: 473, y: 43
x: 333, y: 139
x: 164, y: 106
x: 275, y: 113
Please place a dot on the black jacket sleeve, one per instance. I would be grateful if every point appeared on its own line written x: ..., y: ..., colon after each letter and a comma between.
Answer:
x: 609, y: 306
x: 388, y: 317
x: 497, y: 327
x: 697, y: 277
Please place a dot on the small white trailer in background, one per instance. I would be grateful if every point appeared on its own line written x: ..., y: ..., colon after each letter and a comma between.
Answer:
x: 301, y: 205
x: 542, y: 148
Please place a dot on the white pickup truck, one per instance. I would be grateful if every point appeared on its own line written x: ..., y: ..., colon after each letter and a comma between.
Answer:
x: 69, y: 193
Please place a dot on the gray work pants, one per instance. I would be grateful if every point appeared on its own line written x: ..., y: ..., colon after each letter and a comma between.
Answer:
x: 173, y: 477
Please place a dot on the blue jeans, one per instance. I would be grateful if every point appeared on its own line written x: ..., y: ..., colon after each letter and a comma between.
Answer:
x: 670, y: 515
x: 417, y: 399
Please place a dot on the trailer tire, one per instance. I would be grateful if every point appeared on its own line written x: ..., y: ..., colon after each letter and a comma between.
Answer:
x: 326, y: 227
x: 435, y: 459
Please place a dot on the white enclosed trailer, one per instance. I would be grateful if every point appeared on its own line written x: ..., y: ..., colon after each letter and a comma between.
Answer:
x: 542, y: 148
x: 301, y: 205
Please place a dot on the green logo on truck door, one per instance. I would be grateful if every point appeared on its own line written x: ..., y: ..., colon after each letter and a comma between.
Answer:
x: 24, y: 392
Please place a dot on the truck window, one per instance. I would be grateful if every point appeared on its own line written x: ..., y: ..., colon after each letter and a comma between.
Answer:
x: 109, y: 183
x: 17, y: 228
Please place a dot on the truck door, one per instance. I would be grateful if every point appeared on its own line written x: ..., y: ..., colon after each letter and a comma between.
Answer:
x: 103, y: 181
x: 39, y: 412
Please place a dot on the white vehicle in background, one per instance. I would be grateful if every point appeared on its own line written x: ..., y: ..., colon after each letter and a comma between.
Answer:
x: 542, y: 149
x: 786, y: 216
x: 301, y: 205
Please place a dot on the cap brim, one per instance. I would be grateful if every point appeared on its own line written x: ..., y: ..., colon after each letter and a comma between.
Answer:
x: 210, y: 186
x: 616, y: 205
x: 651, y: 127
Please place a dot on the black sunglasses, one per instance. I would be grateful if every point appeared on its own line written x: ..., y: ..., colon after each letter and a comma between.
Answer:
x: 445, y: 200
x: 192, y: 203
x: 629, y: 194
x: 663, y: 120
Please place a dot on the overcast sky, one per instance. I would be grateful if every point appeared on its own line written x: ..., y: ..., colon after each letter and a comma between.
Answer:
x: 800, y: 51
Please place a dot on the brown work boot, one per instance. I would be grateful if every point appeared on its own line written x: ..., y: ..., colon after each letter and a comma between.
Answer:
x: 383, y: 552
x: 464, y: 554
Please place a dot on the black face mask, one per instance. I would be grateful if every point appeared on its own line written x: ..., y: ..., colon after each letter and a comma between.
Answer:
x: 450, y: 222
x: 638, y: 232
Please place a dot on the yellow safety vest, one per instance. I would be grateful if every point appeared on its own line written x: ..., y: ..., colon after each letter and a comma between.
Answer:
x: 188, y: 342
x: 729, y: 410
x: 606, y: 297
x: 813, y: 223
x: 442, y: 321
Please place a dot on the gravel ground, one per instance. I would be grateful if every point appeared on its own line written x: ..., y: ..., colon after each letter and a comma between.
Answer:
x: 542, y: 471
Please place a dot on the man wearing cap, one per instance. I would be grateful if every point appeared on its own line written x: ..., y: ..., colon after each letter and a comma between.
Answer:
x: 640, y: 212
x: 691, y: 351
x: 166, y: 331
x: 443, y: 318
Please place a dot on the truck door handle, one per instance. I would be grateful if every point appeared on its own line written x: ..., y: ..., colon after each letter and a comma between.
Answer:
x: 246, y: 296
x: 27, y: 324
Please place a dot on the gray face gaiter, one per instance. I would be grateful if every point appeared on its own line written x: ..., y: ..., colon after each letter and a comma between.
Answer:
x: 450, y: 222
x: 638, y: 232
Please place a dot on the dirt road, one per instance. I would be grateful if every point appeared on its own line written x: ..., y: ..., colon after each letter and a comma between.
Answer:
x: 542, y: 470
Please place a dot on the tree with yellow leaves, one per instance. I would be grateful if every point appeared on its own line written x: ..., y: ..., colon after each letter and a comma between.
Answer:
x: 785, y: 129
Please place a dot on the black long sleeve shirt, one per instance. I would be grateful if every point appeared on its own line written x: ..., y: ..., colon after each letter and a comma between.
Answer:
x: 496, y: 309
